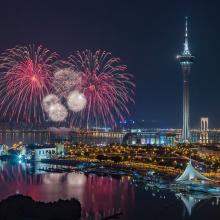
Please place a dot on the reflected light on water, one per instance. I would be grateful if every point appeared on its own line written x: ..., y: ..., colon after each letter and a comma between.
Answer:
x: 102, y: 196
x: 76, y: 179
x: 99, y: 196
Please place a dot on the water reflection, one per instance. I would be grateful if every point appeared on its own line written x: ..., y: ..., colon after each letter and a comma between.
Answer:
x: 103, y: 196
x: 191, y: 200
x: 99, y: 196
x: 10, y: 138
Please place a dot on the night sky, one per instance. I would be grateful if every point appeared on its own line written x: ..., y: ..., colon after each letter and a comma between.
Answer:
x: 146, y: 35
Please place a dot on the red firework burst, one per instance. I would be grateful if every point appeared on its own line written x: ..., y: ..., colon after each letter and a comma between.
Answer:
x: 106, y: 84
x: 26, y: 77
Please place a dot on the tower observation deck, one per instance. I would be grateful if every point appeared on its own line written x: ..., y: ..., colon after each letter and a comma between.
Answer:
x: 186, y: 61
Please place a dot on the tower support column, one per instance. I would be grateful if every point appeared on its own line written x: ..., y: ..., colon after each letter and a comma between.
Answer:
x: 186, y: 122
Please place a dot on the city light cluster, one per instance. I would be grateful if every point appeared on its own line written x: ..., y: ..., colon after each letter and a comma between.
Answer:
x: 162, y: 159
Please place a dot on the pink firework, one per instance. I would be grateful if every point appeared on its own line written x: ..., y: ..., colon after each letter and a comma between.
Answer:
x: 106, y: 85
x: 26, y: 77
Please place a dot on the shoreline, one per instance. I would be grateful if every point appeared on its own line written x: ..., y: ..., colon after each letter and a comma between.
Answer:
x: 142, y: 168
x: 163, y: 171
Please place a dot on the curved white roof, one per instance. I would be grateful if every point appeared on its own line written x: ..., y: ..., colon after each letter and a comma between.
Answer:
x: 190, y: 174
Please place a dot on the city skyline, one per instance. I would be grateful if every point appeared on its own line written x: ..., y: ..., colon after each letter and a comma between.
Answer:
x: 148, y: 45
x: 109, y: 110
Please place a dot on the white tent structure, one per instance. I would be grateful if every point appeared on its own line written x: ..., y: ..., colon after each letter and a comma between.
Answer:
x: 191, y: 174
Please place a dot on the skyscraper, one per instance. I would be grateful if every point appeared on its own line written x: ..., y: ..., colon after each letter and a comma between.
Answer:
x: 186, y: 60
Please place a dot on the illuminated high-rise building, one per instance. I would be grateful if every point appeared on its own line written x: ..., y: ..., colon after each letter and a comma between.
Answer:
x: 186, y: 60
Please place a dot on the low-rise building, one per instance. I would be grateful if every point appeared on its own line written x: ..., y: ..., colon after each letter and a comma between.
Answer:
x: 45, y: 153
x: 38, y: 152
x: 155, y: 137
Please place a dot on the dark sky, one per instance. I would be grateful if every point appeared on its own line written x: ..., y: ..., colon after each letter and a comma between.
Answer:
x: 146, y: 35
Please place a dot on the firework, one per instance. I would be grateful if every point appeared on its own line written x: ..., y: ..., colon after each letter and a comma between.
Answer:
x: 57, y: 112
x: 65, y: 80
x: 76, y: 101
x: 107, y: 86
x: 26, y: 78
x: 49, y: 100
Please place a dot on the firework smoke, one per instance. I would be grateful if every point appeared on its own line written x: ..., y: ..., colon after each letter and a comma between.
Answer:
x: 65, y: 81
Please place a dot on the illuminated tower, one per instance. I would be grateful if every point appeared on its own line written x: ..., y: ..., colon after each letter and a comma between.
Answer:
x: 186, y: 60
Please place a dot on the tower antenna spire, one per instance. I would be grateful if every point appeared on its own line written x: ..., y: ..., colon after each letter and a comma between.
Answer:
x: 186, y: 32
x: 186, y: 44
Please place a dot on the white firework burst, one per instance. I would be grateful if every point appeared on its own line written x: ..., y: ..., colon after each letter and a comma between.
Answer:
x: 76, y: 101
x: 57, y: 112
x: 49, y: 100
